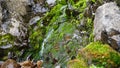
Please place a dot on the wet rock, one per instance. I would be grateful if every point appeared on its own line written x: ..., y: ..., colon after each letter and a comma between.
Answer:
x: 27, y: 64
x: 38, y: 8
x: 34, y: 20
x: 12, y: 21
x: 10, y: 64
x: 0, y: 15
x: 51, y: 2
x: 15, y: 18
x: 39, y: 1
x: 1, y: 62
x: 39, y: 64
x: 107, y: 24
x: 16, y: 7
x: 13, y: 28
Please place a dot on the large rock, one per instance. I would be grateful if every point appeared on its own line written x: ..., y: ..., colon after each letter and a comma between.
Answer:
x: 107, y: 24
x: 15, y: 18
x: 13, y: 28
x: 12, y: 21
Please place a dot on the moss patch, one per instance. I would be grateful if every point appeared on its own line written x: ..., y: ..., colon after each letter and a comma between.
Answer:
x: 76, y: 63
x: 101, y: 55
x: 6, y: 39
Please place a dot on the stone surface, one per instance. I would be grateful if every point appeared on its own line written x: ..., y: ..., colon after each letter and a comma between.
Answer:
x: 39, y: 64
x: 107, y: 24
x: 16, y: 16
x: 14, y: 20
x: 27, y: 64
x: 10, y: 64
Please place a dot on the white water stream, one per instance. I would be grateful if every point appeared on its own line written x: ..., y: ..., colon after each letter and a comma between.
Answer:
x: 44, y: 41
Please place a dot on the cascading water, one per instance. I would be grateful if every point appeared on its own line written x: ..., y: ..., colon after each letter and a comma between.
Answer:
x: 44, y: 41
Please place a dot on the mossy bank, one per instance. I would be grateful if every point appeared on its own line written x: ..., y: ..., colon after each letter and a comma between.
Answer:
x: 97, y: 54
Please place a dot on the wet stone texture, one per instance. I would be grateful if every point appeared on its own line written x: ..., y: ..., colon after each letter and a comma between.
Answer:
x: 15, y: 18
x: 13, y: 33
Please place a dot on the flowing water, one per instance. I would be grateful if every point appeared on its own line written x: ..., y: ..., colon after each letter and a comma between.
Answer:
x: 45, y: 40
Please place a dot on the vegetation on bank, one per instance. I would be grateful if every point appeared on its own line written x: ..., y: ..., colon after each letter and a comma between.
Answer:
x: 97, y: 54
x: 77, y: 63
x: 62, y: 31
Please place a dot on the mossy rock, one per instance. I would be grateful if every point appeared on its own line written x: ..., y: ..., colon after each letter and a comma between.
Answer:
x: 76, y: 63
x: 100, y: 55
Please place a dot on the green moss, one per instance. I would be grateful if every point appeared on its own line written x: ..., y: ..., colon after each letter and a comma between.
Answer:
x: 55, y: 12
x: 97, y: 47
x: 66, y: 28
x: 94, y: 66
x: 53, y: 15
x: 63, y: 19
x: 6, y: 39
x: 76, y: 63
x: 81, y: 5
x: 101, y: 54
x: 91, y: 38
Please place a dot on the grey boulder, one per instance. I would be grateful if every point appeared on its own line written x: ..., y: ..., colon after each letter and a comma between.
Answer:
x: 107, y: 25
